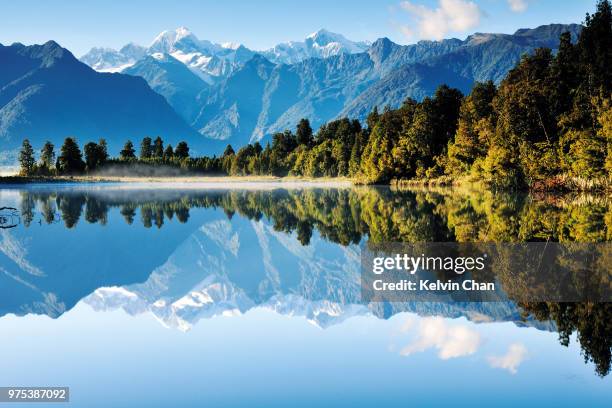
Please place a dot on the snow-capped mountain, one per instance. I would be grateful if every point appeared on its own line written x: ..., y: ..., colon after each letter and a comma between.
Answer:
x: 212, y: 61
x: 209, y: 60
x: 110, y: 60
x: 320, y: 44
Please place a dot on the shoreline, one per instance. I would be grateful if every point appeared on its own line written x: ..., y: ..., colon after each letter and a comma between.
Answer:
x: 559, y: 185
x: 186, y: 181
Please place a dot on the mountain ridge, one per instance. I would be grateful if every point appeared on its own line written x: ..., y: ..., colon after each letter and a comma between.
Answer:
x: 47, y: 94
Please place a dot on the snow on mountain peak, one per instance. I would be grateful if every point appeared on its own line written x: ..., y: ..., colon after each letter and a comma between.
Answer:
x: 212, y: 61
x: 231, y: 45
x: 320, y: 44
x: 324, y: 37
x: 182, y: 32
x: 167, y: 40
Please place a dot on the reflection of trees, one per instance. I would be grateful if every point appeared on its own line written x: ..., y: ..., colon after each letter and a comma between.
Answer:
x: 346, y: 216
x: 96, y: 211
x: 590, y: 320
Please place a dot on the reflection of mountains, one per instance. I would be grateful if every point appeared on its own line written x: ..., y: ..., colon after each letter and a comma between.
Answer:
x: 229, y: 267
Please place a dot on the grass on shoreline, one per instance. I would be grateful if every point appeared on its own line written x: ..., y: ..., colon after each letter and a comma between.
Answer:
x: 557, y: 184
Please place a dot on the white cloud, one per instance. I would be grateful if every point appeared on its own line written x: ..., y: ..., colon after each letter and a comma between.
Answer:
x: 449, y: 16
x: 518, y: 6
x: 510, y: 361
x: 451, y: 341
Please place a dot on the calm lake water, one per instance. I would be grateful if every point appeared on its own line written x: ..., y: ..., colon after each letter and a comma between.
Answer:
x: 160, y: 296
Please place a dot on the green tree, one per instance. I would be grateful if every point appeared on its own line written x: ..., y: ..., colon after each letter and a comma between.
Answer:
x: 372, y: 118
x: 92, y: 155
x: 304, y: 133
x: 146, y: 148
x: 182, y: 150
x: 102, y: 151
x: 474, y: 130
x: 158, y: 148
x: 377, y: 163
x: 128, y: 152
x: 26, y: 159
x: 168, y: 153
x: 229, y: 150
x: 70, y: 160
x: 595, y: 49
x: 47, y: 156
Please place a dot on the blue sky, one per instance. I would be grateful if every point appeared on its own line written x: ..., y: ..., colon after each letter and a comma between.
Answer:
x: 82, y: 24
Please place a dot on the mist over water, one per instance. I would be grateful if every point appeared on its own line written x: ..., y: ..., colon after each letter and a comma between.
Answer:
x: 139, y: 170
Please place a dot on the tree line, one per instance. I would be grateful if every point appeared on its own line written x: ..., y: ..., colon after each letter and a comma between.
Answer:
x: 548, y: 122
x: 94, y: 156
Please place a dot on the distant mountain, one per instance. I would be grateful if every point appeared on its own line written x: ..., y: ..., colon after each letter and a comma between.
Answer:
x: 232, y: 110
x: 321, y: 44
x: 47, y: 94
x: 480, y: 57
x: 209, y: 60
x: 315, y: 88
x: 173, y: 80
x: 214, y: 61
x: 110, y: 60
x: 350, y: 85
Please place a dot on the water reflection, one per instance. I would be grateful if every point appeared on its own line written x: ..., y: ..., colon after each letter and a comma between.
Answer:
x: 184, y: 255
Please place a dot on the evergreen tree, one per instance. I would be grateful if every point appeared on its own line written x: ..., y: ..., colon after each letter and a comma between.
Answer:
x: 474, y: 130
x: 146, y: 149
x: 128, y: 152
x: 356, y: 152
x: 376, y: 163
x: 182, y: 150
x: 102, y: 151
x: 26, y: 159
x: 229, y: 150
x: 595, y: 49
x: 304, y: 133
x: 372, y: 118
x: 70, y: 160
x: 92, y: 155
x: 158, y: 148
x: 257, y: 148
x: 47, y: 156
x: 168, y: 153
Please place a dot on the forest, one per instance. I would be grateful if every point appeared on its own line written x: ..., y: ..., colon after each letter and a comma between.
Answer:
x: 547, y: 126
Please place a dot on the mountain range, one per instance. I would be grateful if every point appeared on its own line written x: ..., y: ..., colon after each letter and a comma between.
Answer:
x: 214, y: 62
x: 47, y: 94
x: 255, y: 94
x: 213, y: 94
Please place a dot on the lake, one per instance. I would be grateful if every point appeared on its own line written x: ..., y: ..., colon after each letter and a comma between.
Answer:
x: 160, y: 295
